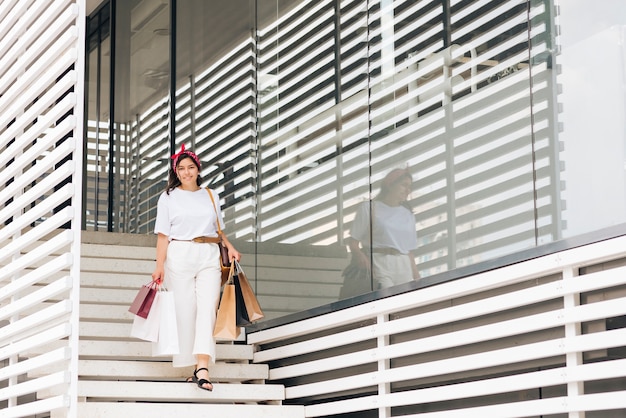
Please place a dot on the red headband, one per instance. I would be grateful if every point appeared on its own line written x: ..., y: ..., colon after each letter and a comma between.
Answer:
x: 182, y: 152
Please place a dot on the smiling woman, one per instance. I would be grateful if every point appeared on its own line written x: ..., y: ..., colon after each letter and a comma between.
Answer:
x: 190, y: 267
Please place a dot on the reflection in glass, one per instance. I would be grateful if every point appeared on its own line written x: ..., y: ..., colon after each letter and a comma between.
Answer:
x: 299, y: 109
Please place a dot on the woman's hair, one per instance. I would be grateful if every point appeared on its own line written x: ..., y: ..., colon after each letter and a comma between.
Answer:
x: 173, y: 181
x: 391, y: 179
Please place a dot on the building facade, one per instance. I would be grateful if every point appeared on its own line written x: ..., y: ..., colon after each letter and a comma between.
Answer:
x: 508, y: 114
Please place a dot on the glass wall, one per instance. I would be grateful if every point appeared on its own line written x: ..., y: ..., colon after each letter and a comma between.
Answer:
x: 412, y: 137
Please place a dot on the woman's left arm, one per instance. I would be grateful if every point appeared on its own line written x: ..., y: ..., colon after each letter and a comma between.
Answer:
x: 416, y: 273
x: 233, y: 254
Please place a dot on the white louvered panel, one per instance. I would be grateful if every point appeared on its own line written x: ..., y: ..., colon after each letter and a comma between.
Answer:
x: 41, y: 319
x: 37, y: 407
x: 34, y: 193
x: 52, y: 245
x: 492, y: 14
x: 52, y: 63
x: 543, y: 266
x: 301, y: 90
x: 511, y: 355
x: 492, y: 53
x: 225, y: 127
x: 34, y: 385
x: 53, y: 334
x: 35, y: 296
x: 309, y: 59
x: 228, y: 99
x: 39, y: 362
x: 49, y: 100
x: 43, y: 143
x: 317, y: 91
x: 485, y: 387
x: 9, y: 14
x: 34, y: 276
x: 314, y: 124
x: 227, y: 63
x: 487, y: 306
x: 287, y: 129
x: 61, y: 37
x: 462, y: 338
x: 38, y: 212
x: 461, y: 324
x: 12, y: 44
x: 269, y: 35
x: 573, y: 404
x: 39, y: 169
x: 218, y: 89
x: 49, y: 225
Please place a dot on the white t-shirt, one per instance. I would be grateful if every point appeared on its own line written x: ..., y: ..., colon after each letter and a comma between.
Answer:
x: 184, y: 215
x: 393, y: 227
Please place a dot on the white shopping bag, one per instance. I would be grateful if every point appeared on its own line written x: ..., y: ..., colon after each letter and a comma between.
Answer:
x: 167, y: 343
x: 148, y: 328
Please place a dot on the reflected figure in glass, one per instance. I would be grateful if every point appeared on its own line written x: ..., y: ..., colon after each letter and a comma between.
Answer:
x: 388, y: 249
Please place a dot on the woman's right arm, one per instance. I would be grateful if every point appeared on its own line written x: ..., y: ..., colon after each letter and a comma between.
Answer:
x: 359, y: 258
x: 161, y: 254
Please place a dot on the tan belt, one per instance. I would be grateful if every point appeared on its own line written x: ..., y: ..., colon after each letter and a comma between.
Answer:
x: 386, y: 251
x: 202, y: 240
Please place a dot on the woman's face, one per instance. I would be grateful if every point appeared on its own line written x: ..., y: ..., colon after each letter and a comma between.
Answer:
x: 399, y: 191
x: 187, y: 172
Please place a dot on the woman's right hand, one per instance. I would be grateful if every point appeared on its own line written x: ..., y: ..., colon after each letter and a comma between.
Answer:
x: 360, y: 259
x: 157, y: 275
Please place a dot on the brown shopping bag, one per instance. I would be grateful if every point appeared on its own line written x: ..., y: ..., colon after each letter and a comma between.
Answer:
x: 250, y: 301
x: 144, y: 299
x: 226, y: 321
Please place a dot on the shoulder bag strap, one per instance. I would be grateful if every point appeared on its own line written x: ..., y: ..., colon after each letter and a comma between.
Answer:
x: 219, y: 230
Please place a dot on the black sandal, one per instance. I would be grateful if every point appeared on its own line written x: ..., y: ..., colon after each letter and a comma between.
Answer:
x: 202, y: 382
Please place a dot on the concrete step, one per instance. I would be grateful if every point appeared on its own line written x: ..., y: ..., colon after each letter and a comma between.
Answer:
x: 169, y: 410
x: 162, y: 371
x: 140, y: 350
x: 118, y: 251
x: 101, y: 390
x: 151, y: 370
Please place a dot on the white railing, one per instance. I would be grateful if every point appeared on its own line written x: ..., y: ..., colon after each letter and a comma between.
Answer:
x: 41, y: 125
x: 530, y: 339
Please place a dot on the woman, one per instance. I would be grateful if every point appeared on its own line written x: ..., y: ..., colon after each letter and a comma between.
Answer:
x: 393, y: 233
x: 187, y: 260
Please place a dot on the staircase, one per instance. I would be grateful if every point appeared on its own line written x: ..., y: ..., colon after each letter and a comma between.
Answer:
x: 118, y: 377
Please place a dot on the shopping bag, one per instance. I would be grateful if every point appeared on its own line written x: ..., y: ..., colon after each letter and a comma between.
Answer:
x: 144, y: 299
x: 250, y: 301
x: 242, y: 319
x: 226, y: 321
x: 224, y: 262
x: 148, y: 328
x: 356, y: 281
x: 167, y: 342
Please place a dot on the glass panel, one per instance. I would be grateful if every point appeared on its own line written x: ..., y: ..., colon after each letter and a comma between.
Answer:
x: 300, y: 111
x: 98, y: 121
x: 589, y: 67
x: 142, y: 77
x: 215, y: 98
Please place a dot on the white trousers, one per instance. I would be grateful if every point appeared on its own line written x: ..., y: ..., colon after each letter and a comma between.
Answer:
x: 391, y: 270
x: 193, y: 275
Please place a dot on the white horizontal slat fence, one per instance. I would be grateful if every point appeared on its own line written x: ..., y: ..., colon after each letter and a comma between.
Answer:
x: 527, y: 340
x: 41, y: 96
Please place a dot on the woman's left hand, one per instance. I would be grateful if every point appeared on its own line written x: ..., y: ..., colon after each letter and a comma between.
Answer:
x: 233, y: 254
